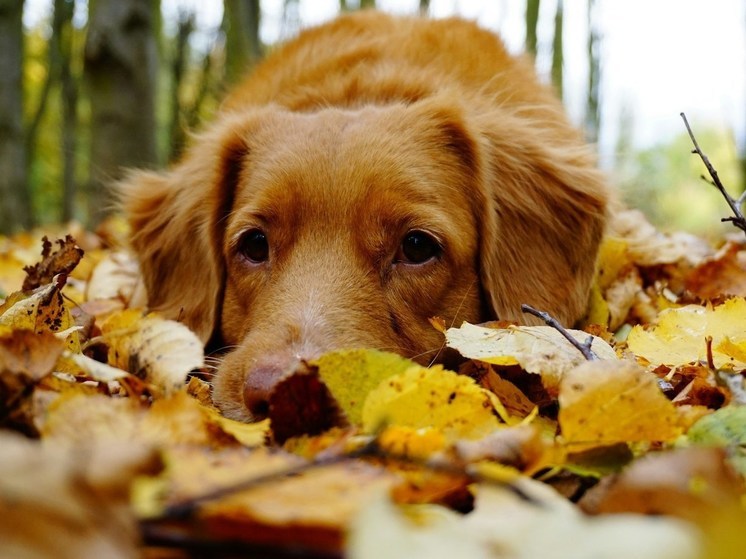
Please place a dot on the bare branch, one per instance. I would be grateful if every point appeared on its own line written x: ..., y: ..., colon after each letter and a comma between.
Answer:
x: 738, y: 218
x: 584, y: 348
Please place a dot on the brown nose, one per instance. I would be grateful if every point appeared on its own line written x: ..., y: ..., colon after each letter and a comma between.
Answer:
x: 260, y: 383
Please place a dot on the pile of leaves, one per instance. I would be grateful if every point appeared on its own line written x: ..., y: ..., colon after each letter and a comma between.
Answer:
x: 628, y: 442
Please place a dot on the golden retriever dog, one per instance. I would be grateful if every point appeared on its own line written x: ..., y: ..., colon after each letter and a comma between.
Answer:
x: 373, y: 173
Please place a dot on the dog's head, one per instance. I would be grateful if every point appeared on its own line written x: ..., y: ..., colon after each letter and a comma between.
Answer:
x: 284, y: 235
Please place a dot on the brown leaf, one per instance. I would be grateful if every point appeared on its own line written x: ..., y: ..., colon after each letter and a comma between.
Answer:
x: 688, y: 483
x: 25, y: 358
x: 61, y: 261
x: 722, y: 275
x: 301, y: 404
x: 69, y: 502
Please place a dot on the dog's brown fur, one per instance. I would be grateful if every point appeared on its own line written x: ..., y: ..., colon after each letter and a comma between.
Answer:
x: 340, y: 143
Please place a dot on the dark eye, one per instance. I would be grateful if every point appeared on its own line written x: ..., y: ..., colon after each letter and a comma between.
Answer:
x: 418, y: 247
x: 253, y: 245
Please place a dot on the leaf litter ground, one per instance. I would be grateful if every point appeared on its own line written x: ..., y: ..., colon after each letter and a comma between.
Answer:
x: 108, y: 425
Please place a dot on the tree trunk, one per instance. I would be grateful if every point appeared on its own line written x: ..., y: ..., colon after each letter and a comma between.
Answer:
x: 532, y: 19
x: 15, y: 199
x: 592, y: 112
x: 243, y: 47
x: 557, y: 50
x: 424, y: 7
x: 121, y: 69
x: 63, y: 9
x: 177, y: 132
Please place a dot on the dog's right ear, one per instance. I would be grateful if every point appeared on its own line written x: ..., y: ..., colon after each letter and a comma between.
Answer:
x: 176, y: 224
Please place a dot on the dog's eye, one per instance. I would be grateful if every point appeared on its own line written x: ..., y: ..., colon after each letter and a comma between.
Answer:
x: 418, y: 247
x: 253, y: 245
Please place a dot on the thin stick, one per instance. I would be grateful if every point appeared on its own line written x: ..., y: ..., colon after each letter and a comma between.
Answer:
x: 738, y: 218
x: 584, y: 348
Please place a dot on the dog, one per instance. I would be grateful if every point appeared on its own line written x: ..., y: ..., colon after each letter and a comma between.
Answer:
x: 373, y: 173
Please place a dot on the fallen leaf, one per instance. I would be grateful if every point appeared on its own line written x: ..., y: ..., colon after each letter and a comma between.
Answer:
x: 679, y: 336
x: 25, y: 358
x: 537, y: 349
x: 61, y: 261
x: 724, y: 428
x: 689, y: 483
x: 116, y: 276
x: 159, y: 351
x: 258, y: 501
x: 646, y: 246
x: 722, y: 275
x: 604, y: 403
x: 423, y: 398
x: 350, y: 376
x: 301, y: 404
x: 69, y: 502
x: 521, y: 447
x: 504, y: 524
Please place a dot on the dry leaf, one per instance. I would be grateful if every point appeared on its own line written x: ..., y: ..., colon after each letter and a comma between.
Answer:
x: 724, y: 428
x: 301, y: 404
x: 722, y: 275
x: 116, y: 276
x: 350, y: 375
x: 680, y: 335
x: 537, y: 349
x: 69, y: 502
x: 432, y: 398
x: 604, y: 403
x: 688, y: 483
x: 162, y: 352
x: 505, y: 526
x: 61, y: 261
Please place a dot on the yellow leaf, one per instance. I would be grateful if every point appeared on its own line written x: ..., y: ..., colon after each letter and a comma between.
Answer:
x: 679, y: 336
x: 415, y: 443
x: 44, y: 310
x: 604, y: 403
x: 162, y: 352
x: 423, y: 398
x: 537, y: 349
x: 351, y: 374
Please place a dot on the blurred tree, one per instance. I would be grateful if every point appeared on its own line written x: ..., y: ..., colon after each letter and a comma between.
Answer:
x: 15, y: 197
x: 558, y: 50
x: 243, y: 48
x: 532, y: 20
x: 179, y: 62
x: 593, y: 111
x: 63, y: 43
x: 121, y: 61
x: 424, y: 7
x: 367, y: 4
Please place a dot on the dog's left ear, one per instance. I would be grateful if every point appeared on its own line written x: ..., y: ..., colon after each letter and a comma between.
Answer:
x: 176, y: 225
x: 540, y: 204
x: 545, y: 217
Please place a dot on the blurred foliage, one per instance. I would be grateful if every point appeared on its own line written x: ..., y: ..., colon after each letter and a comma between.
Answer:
x: 665, y: 181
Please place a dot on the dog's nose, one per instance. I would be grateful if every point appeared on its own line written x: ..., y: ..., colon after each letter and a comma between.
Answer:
x: 260, y: 383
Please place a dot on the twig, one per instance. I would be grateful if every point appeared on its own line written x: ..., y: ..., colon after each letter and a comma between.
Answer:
x: 738, y: 218
x: 186, y: 508
x: 584, y: 348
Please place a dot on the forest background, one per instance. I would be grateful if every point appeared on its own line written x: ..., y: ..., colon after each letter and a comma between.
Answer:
x: 89, y: 88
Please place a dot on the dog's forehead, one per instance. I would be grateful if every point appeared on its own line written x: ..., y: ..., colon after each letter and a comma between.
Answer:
x: 337, y: 159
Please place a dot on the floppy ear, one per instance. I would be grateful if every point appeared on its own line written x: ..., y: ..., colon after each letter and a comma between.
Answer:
x: 175, y: 219
x: 545, y: 219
